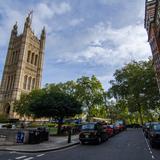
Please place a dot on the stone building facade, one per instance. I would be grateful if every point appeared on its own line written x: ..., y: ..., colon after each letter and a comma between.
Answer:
x: 23, y: 67
x: 152, y: 25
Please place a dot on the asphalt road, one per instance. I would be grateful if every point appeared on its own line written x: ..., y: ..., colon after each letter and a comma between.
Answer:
x: 128, y: 145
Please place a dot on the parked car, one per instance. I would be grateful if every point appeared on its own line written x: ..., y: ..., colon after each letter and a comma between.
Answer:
x: 154, y: 133
x: 115, y: 129
x: 5, y: 125
x: 93, y: 132
x: 146, y: 128
x: 2, y: 125
x: 109, y: 130
x: 121, y: 125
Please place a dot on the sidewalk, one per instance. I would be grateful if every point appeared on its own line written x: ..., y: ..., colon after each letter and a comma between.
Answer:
x: 54, y: 143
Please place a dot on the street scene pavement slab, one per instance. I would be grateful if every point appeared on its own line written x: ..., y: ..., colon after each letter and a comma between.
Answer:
x: 54, y: 143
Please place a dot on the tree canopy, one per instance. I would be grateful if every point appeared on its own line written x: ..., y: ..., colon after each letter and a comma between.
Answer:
x: 136, y: 85
x: 90, y: 92
x: 133, y: 95
x: 48, y: 102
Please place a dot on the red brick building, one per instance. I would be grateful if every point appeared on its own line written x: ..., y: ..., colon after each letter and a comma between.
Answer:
x: 152, y: 25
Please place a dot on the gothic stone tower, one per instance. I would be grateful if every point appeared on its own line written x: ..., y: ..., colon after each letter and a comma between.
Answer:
x: 23, y: 66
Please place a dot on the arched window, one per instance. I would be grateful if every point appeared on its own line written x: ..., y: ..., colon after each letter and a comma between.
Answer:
x: 32, y: 59
x: 29, y: 56
x: 16, y: 57
x: 10, y: 59
x: 7, y: 108
x: 33, y: 83
x: 25, y: 82
x: 14, y: 78
x: 36, y: 59
x: 12, y: 82
x: 13, y: 57
x: 29, y: 83
x: 8, y: 82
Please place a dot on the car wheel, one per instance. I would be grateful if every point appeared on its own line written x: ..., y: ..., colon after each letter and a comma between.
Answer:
x: 107, y: 137
x: 146, y: 135
x: 82, y: 142
x: 152, y: 144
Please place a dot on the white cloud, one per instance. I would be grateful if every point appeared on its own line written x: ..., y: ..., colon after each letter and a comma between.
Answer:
x: 43, y: 15
x: 105, y: 78
x: 109, y: 46
x: 75, y: 22
x: 45, y: 10
x: 110, y: 2
x: 62, y: 8
x: 101, y: 45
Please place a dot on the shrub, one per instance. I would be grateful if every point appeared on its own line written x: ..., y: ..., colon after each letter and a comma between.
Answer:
x: 3, y: 119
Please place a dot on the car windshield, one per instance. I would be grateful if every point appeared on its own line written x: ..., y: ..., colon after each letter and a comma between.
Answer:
x: 147, y: 125
x: 156, y: 127
x: 88, y: 126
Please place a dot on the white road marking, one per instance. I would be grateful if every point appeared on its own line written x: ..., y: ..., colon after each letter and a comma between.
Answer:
x: 40, y: 155
x: 28, y: 158
x: 149, y: 148
x: 21, y: 157
x: 12, y: 152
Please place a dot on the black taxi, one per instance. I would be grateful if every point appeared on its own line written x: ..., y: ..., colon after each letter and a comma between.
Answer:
x: 93, y: 132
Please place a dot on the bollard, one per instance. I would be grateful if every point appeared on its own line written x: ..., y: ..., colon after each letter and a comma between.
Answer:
x: 69, y: 136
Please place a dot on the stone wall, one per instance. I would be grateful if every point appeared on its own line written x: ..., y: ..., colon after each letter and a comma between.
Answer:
x: 9, y: 136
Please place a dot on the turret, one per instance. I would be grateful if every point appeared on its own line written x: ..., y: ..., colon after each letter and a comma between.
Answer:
x: 14, y: 30
x: 28, y: 21
x: 43, y: 34
x: 43, y: 38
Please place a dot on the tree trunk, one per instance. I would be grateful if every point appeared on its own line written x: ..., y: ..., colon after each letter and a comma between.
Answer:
x: 140, y: 114
x: 152, y: 119
x: 60, y: 122
x: 89, y: 115
x: 130, y: 119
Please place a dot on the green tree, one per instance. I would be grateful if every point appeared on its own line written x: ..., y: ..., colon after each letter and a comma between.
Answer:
x: 98, y: 111
x: 90, y: 92
x: 136, y: 85
x: 21, y: 106
x: 50, y: 102
x: 68, y: 87
x: 62, y: 105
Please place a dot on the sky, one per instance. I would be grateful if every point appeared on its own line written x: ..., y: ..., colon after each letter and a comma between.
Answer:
x: 84, y: 37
